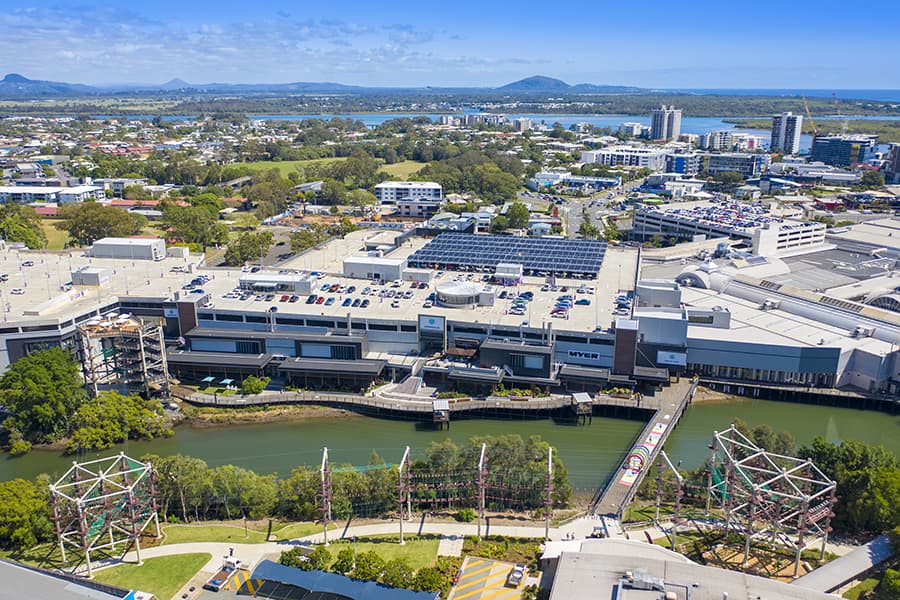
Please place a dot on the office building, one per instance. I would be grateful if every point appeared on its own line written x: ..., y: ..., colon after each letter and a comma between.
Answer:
x: 689, y: 163
x: 892, y: 166
x: 786, y: 129
x: 665, y: 123
x: 844, y: 150
x: 389, y: 192
x: 748, y: 165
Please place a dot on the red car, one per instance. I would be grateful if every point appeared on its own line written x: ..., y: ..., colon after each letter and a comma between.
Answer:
x: 284, y: 298
x: 320, y: 300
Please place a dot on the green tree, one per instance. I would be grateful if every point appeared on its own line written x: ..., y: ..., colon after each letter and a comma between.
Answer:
x: 429, y: 579
x: 343, y: 564
x: 369, y: 566
x: 499, y: 223
x: 20, y: 223
x: 90, y: 221
x: 890, y: 583
x: 253, y: 384
x: 42, y: 390
x: 871, y: 180
x: 361, y: 198
x: 517, y: 216
x: 24, y: 514
x: 319, y: 558
x: 249, y: 246
x: 333, y: 192
x: 293, y: 558
x: 195, y: 225
x: 611, y: 232
x: 111, y: 418
x: 398, y: 573
x: 587, y: 229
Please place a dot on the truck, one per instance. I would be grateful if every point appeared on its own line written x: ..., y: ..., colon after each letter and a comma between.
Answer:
x: 230, y: 566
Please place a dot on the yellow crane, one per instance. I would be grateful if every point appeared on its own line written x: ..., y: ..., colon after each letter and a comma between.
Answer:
x: 809, y: 115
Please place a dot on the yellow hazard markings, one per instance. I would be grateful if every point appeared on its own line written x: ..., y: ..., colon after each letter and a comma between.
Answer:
x: 241, y: 581
x: 483, y: 579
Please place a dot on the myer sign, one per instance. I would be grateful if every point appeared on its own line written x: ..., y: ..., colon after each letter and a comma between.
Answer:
x: 584, y: 355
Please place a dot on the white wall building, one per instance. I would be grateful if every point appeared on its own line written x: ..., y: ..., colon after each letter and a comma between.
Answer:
x: 388, y: 192
x: 786, y: 129
x: 133, y: 248
x: 665, y: 123
x: 25, y: 194
x: 628, y: 156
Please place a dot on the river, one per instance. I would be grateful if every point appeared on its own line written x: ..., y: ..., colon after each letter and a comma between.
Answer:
x: 589, y: 452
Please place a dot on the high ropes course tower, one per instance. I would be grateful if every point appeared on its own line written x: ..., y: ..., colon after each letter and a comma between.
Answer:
x: 104, y: 504
x: 779, y: 500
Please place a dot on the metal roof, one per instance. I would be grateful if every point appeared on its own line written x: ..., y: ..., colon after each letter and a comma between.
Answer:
x: 217, y: 359
x: 332, y: 583
x: 20, y: 581
x: 833, y: 575
x: 361, y: 366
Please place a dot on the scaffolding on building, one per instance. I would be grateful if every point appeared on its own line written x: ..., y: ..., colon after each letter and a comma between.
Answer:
x: 781, y: 501
x: 104, y: 504
x: 124, y: 352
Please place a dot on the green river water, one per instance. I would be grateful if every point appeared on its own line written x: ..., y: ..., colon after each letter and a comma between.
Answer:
x: 589, y: 452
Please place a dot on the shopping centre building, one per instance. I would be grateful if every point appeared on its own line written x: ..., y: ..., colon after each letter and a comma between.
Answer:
x: 626, y: 322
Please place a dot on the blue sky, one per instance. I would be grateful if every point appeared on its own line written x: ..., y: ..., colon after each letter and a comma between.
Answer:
x: 652, y: 43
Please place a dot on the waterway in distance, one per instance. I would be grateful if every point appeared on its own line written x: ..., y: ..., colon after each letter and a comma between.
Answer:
x: 589, y: 452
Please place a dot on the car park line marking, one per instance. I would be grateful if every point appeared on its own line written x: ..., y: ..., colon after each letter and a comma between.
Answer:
x: 476, y: 572
x: 481, y: 589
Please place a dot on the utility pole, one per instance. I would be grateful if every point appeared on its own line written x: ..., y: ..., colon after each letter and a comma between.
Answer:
x: 549, y: 501
x: 325, y: 494
x: 403, y: 488
x: 482, y: 472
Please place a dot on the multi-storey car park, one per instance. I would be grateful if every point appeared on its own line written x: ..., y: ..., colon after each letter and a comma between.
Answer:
x: 315, y: 325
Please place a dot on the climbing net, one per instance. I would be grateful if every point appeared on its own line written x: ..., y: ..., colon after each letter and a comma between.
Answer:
x: 780, y: 500
x: 102, y: 504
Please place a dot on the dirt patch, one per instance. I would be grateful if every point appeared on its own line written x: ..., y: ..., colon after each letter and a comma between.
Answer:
x: 217, y: 417
x: 704, y: 394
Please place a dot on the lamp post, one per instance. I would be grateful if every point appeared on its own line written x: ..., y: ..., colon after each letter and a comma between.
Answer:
x: 354, y: 553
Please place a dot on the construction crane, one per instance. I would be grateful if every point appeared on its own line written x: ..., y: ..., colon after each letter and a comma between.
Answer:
x: 837, y: 108
x: 809, y: 116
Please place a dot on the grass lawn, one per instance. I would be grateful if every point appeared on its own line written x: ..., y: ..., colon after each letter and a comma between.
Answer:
x: 418, y: 551
x: 220, y: 532
x: 56, y: 239
x: 163, y: 575
x: 286, y: 166
x: 863, y: 589
x: 402, y: 169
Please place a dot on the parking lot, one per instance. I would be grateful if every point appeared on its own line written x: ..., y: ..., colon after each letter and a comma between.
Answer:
x: 484, y: 579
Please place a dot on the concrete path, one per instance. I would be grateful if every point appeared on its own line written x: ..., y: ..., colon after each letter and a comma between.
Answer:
x: 450, y: 545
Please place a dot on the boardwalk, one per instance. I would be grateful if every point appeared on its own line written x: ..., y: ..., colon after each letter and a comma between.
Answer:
x: 669, y: 405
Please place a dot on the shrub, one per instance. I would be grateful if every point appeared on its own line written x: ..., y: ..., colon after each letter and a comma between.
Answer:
x: 466, y: 515
x: 254, y: 385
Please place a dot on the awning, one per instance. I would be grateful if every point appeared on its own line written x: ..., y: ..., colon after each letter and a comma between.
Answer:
x: 209, y: 379
x: 227, y: 381
x: 362, y: 366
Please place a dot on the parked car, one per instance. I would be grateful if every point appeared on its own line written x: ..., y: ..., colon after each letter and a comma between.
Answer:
x: 294, y: 298
x: 347, y: 302
x: 364, y: 304
x: 356, y: 302
x: 330, y: 301
x: 583, y: 302
x: 516, y: 576
x: 312, y: 299
x: 284, y: 298
x: 17, y: 291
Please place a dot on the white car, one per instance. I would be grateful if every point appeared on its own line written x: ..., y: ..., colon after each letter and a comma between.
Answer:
x: 17, y: 291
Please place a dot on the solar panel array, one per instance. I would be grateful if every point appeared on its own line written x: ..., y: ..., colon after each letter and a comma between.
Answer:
x: 462, y: 251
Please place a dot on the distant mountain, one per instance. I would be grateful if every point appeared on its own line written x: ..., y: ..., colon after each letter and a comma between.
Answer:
x: 18, y: 86
x: 543, y: 84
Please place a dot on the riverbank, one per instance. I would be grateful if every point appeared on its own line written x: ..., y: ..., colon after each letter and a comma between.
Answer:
x: 206, y: 416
